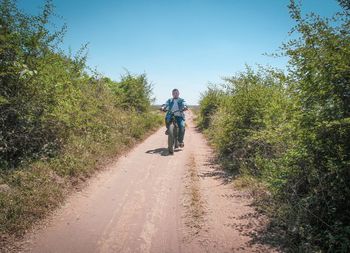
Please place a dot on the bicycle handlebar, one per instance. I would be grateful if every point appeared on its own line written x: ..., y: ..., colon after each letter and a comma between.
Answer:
x: 185, y: 109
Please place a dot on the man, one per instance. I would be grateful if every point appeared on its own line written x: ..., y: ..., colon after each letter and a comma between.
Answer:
x: 178, y: 106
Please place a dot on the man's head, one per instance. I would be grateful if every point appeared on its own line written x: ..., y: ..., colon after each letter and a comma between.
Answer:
x: 175, y: 93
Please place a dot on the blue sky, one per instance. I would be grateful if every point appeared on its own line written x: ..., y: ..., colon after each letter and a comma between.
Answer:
x: 178, y: 43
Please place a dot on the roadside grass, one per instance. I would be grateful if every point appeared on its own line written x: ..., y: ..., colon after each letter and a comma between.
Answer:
x: 60, y: 121
x: 28, y: 193
x: 194, y: 203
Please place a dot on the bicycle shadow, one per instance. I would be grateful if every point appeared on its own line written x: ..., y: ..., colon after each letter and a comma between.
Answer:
x: 160, y: 151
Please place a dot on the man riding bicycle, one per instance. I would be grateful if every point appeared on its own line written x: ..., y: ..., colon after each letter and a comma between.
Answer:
x: 177, y: 106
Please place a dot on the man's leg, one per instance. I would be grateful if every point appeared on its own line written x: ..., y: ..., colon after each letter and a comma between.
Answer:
x: 167, y: 124
x: 181, y: 124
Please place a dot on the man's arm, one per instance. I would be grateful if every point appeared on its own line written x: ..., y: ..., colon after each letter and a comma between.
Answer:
x: 165, y: 106
x: 184, y: 104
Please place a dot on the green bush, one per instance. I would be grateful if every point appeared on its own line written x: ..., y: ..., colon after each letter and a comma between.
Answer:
x: 57, y: 122
x: 292, y: 132
x: 317, y: 182
x: 252, y: 104
x: 133, y: 92
x: 209, y: 103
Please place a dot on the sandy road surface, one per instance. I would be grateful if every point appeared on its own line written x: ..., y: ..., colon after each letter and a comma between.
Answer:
x: 150, y: 202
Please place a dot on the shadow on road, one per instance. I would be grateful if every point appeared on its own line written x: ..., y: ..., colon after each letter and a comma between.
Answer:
x: 256, y: 225
x: 160, y: 151
x: 224, y: 176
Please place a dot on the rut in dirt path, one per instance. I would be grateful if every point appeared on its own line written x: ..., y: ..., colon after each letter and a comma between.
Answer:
x: 150, y: 202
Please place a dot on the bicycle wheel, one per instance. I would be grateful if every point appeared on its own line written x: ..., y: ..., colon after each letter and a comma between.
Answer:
x: 176, y: 134
x: 171, y: 138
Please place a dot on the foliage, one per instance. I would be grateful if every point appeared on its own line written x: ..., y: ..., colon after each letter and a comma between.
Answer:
x: 57, y: 121
x: 253, y: 103
x: 134, y: 92
x: 25, y: 59
x: 209, y: 103
x: 318, y: 165
x: 292, y: 132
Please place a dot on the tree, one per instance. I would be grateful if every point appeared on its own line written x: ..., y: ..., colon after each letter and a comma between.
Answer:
x: 318, y: 164
x: 134, y: 92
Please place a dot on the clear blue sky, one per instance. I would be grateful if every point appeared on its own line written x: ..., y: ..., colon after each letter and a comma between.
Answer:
x: 178, y: 43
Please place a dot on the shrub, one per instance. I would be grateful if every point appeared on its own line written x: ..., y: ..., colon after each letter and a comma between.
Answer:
x: 57, y: 122
x: 292, y: 132
x: 208, y: 105
x: 253, y: 104
x: 318, y: 165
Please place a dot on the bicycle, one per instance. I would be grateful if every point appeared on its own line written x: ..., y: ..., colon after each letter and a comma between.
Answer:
x: 173, y: 132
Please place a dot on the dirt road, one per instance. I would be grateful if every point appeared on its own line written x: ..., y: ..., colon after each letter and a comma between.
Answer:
x: 147, y: 201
